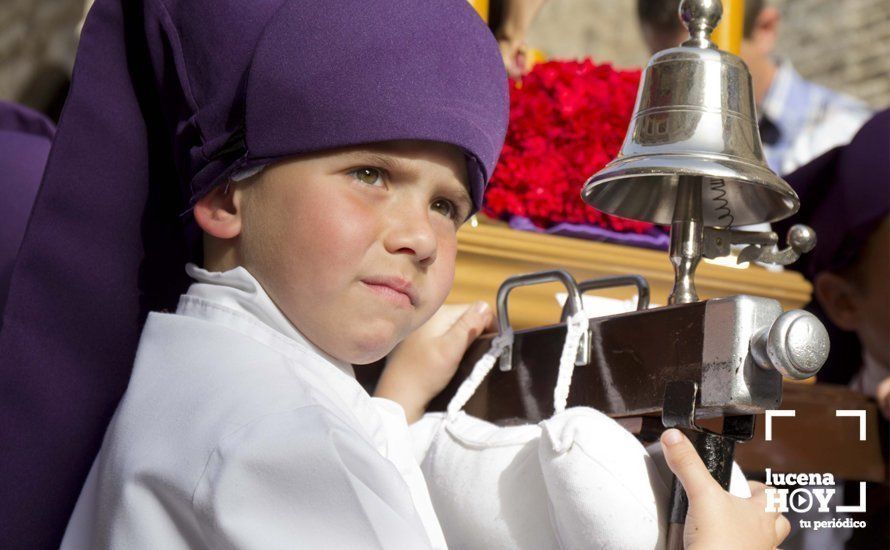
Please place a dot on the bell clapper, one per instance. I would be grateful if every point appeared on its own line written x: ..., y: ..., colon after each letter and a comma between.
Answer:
x: 762, y: 246
x: 718, y: 241
x: 801, y: 239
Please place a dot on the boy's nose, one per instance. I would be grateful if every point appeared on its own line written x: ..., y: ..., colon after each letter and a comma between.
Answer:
x: 410, y: 232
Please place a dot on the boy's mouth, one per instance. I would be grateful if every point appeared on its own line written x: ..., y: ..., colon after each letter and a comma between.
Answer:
x: 398, y: 289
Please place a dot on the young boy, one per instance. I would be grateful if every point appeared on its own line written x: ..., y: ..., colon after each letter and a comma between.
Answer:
x: 330, y: 151
x: 845, y: 198
x: 243, y: 420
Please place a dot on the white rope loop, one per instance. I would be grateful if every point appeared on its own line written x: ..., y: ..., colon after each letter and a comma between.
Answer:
x: 480, y: 370
x: 576, y: 329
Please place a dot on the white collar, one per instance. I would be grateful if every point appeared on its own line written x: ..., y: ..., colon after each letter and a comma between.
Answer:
x: 238, y: 290
x: 776, y: 98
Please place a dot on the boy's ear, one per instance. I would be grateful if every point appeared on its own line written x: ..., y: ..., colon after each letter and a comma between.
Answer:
x: 218, y: 212
x: 838, y: 299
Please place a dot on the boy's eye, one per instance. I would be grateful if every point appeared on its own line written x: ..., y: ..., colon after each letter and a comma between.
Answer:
x: 446, y: 208
x: 371, y: 176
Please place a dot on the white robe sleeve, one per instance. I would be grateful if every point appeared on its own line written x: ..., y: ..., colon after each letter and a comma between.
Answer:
x: 304, y: 479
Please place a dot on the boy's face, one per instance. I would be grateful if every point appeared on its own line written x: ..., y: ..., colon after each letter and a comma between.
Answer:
x: 356, y: 246
x: 871, y: 298
x: 860, y: 300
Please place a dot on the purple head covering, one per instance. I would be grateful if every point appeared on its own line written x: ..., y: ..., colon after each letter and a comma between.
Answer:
x: 844, y: 196
x: 25, y: 138
x: 168, y: 99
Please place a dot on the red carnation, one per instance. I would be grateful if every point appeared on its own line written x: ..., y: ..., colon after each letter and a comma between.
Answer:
x: 567, y: 120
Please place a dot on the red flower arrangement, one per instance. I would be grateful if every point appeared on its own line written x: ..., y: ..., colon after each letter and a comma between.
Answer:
x: 567, y: 120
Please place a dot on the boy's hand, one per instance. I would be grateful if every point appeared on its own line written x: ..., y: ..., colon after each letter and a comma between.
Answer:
x: 423, y: 363
x: 517, y: 19
x: 882, y: 395
x: 717, y: 519
x: 514, y: 55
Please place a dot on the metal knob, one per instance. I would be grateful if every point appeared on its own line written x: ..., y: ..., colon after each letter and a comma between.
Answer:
x: 574, y: 303
x: 796, y: 345
x: 801, y: 238
x: 700, y: 17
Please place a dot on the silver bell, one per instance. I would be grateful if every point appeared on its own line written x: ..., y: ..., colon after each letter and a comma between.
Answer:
x: 694, y: 119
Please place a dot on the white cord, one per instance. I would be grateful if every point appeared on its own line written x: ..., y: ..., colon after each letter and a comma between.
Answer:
x: 576, y: 329
x: 480, y: 370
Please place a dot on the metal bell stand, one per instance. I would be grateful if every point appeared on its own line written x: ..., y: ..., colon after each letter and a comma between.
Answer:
x: 692, y: 159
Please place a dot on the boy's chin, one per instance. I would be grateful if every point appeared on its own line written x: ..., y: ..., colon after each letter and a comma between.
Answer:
x: 371, y: 338
x: 366, y: 357
x: 369, y: 348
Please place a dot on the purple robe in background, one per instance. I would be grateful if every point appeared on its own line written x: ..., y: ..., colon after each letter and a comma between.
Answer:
x: 168, y: 99
x: 844, y: 196
x: 25, y: 138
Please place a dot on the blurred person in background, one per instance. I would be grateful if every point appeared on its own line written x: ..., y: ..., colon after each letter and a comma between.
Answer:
x: 845, y: 198
x: 799, y: 120
x: 510, y: 21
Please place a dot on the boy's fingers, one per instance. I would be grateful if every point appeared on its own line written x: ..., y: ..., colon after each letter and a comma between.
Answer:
x: 758, y: 497
x: 492, y: 325
x: 882, y: 394
x: 756, y: 487
x: 783, y: 528
x: 686, y: 464
x: 469, y: 325
x: 758, y: 490
x: 885, y: 406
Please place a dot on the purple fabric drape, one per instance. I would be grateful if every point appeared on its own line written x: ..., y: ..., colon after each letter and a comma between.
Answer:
x: 168, y: 98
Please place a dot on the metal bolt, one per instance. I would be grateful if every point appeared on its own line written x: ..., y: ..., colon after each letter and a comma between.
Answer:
x: 796, y: 345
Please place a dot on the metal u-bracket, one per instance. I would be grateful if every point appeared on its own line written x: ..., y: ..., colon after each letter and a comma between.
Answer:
x: 637, y: 281
x: 574, y: 301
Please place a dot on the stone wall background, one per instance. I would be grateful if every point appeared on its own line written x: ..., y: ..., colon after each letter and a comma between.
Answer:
x: 842, y: 44
x: 38, y: 39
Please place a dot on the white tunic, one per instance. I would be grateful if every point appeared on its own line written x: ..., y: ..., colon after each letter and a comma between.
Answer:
x: 236, y: 432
